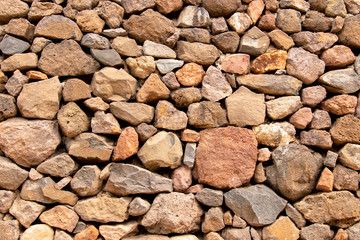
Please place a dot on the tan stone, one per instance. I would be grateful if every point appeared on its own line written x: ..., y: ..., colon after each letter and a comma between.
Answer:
x: 338, y: 56
x: 26, y: 212
x: 127, y: 145
x: 126, y: 47
x: 168, y: 117
x: 341, y: 235
x: 36, y: 75
x: 189, y: 135
x: 12, y: 9
x: 96, y: 104
x: 240, y: 22
x: 111, y: 12
x: 116, y: 232
x: 275, y: 134
x: 42, y: 231
x: 165, y: 7
x: 346, y: 129
x: 90, y: 233
x: 72, y: 120
x: 138, y: 206
x: 20, y: 61
x: 236, y: 63
x: 326, y: 181
x: 39, y: 10
x: 255, y: 10
x: 206, y: 114
x: 60, y: 196
x: 301, y: 118
x: 200, y: 53
x: 89, y: 21
x: 270, y: 61
x: 60, y: 217
x: 191, y: 74
x: 152, y: 90
x: 105, y: 123
x: 283, y: 228
x: 141, y: 67
x: 281, y: 39
x: 58, y: 165
x: 76, y: 89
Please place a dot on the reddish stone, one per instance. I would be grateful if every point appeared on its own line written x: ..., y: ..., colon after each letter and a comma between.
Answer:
x: 346, y: 129
x: 326, y: 181
x: 195, y: 189
x: 301, y: 118
x: 236, y: 63
x: 189, y: 135
x: 316, y: 138
x: 225, y: 157
x: 255, y: 9
x: 127, y: 145
x: 165, y: 6
x: 90, y: 233
x: 338, y: 56
x: 264, y: 155
x: 270, y: 61
x: 191, y: 74
x: 36, y: 75
x: 312, y: 96
x: 181, y: 178
x: 340, y: 104
x: 267, y: 22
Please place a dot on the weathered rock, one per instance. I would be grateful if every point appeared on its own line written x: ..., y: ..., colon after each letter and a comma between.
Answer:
x: 126, y: 47
x: 15, y: 83
x: 95, y: 41
x: 89, y: 21
x: 58, y: 27
x: 118, y: 231
x: 326, y: 181
x: 72, y: 120
x: 173, y: 213
x: 12, y: 9
x: 60, y: 165
x: 346, y: 129
x: 183, y: 97
x: 152, y: 90
x: 191, y: 74
x: 107, y: 57
x: 96, y: 104
x: 141, y: 67
x: 158, y: 50
x: 60, y: 196
x: 193, y: 16
x: 287, y: 160
x: 32, y: 190
x: 227, y: 42
x: 253, y: 204
x: 101, y: 209
x: 338, y: 208
x: 301, y: 118
x: 86, y: 181
x: 338, y: 56
x: 111, y: 12
x: 26, y: 212
x: 275, y: 134
x: 66, y: 59
x: 289, y: 20
x: 267, y: 22
x: 269, y: 62
x: 236, y: 63
x: 60, y: 217
x: 316, y: 138
x: 341, y: 81
x: 20, y: 27
x: 282, y: 107
x: 206, y: 114
x: 167, y: 65
x: 337, y: 24
x: 29, y: 133
x: 214, y: 85
x: 190, y: 149
x: 300, y: 5
x: 240, y: 22
x: 221, y: 8
x: 213, y: 220
x: 20, y: 61
x: 218, y: 25
x: 194, y: 35
x: 314, y: 42
x: 145, y: 131
x: 10, y: 230
x: 317, y: 22
x: 295, y: 216
x: 34, y: 231
x: 90, y: 233
x: 349, y: 156
x: 335, y: 8
x: 127, y: 179
x: 161, y: 150
x: 353, y: 231
x: 38, y: 10
x: 11, y: 45
x: 168, y: 117
x: 340, y: 104
x: 321, y: 120
x: 8, y: 107
x: 76, y: 89
x: 236, y: 233
x: 166, y: 7
x: 312, y: 96
x: 281, y: 228
x: 245, y: 108
x: 132, y: 6
x: 39, y: 44
x: 182, y: 178
x: 345, y: 178
x: 133, y: 113
x: 105, y: 123
x: 127, y: 145
x: 7, y: 199
x: 255, y: 9
x: 281, y: 39
x: 254, y: 42
x: 114, y: 32
x: 222, y: 170
x: 304, y: 65
x: 349, y: 33
x: 210, y: 197
x: 138, y: 207
x: 204, y: 54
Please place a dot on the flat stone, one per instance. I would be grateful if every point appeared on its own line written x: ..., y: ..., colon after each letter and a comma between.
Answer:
x: 10, y: 230
x: 90, y: 147
x: 127, y: 144
x: 236, y: 233
x: 118, y: 231
x: 60, y: 196
x: 90, y: 21
x: 345, y: 130
x: 341, y: 81
x: 236, y: 63
x: 11, y: 45
x: 316, y: 138
x: 254, y: 42
x: 148, y: 237
x: 345, y: 178
x: 36, y: 75
x: 112, y: 84
x: 153, y: 90
x: 240, y: 22
x: 95, y: 41
x: 161, y: 150
x: 281, y: 39
x: 66, y: 59
x: 168, y: 117
x: 72, y: 120
x: 195, y: 35
x: 218, y: 170
x: 60, y: 217
x: 133, y: 113
x: 26, y: 212
x: 338, y: 56
x: 107, y: 57
x: 183, y: 97
x: 349, y: 33
x: 167, y: 65
x: 312, y: 96
x: 12, y: 9
x: 200, y: 53
x: 15, y: 83
x: 76, y: 89
x: 349, y: 156
x: 112, y: 13
x: 191, y: 74
x: 173, y: 213
x: 314, y: 42
x: 213, y: 220
x: 335, y: 8
x: 221, y: 8
x: 214, y: 85
x: 32, y: 190
x: 166, y: 7
x: 8, y: 107
x: 282, y: 107
x: 114, y: 32
x: 59, y: 165
x: 138, y: 207
x: 316, y: 231
x: 86, y: 182
x: 90, y: 232
x: 301, y: 118
x: 304, y: 65
x: 289, y: 20
x: 34, y: 231
x: 295, y: 215
x: 227, y: 42
x: 269, y: 62
x: 28, y: 132
x: 210, y: 197
x: 96, y: 104
x: 20, y: 61
x: 20, y: 27
x: 340, y: 104
x: 58, y: 27
x: 145, y: 131
x: 317, y: 22
x: 141, y: 67
x: 132, y: 6
x: 281, y: 228
x: 206, y: 114
x: 255, y: 10
x: 182, y: 178
x: 271, y: 84
x: 101, y: 209
x: 158, y: 50
x: 105, y: 123
x: 126, y: 47
x: 38, y: 10
x: 275, y: 134
x: 315, y: 208
x: 7, y: 199
x: 253, y: 204
x: 245, y: 108
x: 193, y: 16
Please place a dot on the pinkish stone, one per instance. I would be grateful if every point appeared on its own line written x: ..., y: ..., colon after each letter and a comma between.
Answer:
x: 340, y: 104
x: 316, y: 138
x: 182, y: 178
x: 236, y: 63
x: 255, y: 9
x: 338, y: 56
x: 312, y: 96
x: 189, y: 135
x: 191, y: 74
x: 301, y: 118
x: 127, y: 145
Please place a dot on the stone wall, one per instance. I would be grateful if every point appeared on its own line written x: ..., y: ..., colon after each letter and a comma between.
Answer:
x: 182, y: 120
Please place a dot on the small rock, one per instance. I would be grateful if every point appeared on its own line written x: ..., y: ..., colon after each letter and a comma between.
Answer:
x: 269, y: 62
x: 105, y: 123
x: 236, y: 63
x: 312, y: 96
x: 167, y: 65
x: 281, y: 228
x: 218, y: 25
x: 152, y: 90
x: 145, y: 131
x: 64, y: 197
x: 346, y: 129
x: 118, y: 231
x: 227, y: 42
x: 281, y: 39
x: 200, y: 53
x: 326, y: 181
x: 199, y: 117
x: 34, y: 231
x: 341, y: 81
x: 314, y: 42
x: 181, y: 178
x: 238, y: 222
x: 11, y: 45
x: 126, y: 47
x: 275, y: 134
x: 95, y: 41
x: 335, y: 8
x: 289, y: 20
x: 210, y: 197
x: 345, y: 178
x: 141, y: 67
x: 228, y: 218
x: 32, y: 190
x: 132, y: 6
x: 114, y: 32
x: 15, y: 83
x: 214, y: 85
x: 341, y: 235
x: 301, y: 118
x: 60, y: 217
x: 60, y: 165
x: 7, y: 199
x: 340, y: 104
x: 236, y: 233
x: 86, y: 181
x: 158, y: 50
x: 264, y: 154
x: 267, y: 22
x: 189, y: 135
x: 39, y: 44
x: 337, y: 24
x: 168, y: 117
x: 254, y: 42
x: 300, y: 5
x: 189, y: 154
x: 133, y: 113
x: 221, y: 8
x: 63, y: 182
x: 127, y: 145
x: 111, y: 12
x: 36, y: 75
x: 8, y: 107
x: 193, y: 16
x: 171, y: 81
x: 316, y: 138
x: 107, y: 57
x: 317, y: 22
x: 255, y: 9
x: 20, y: 27
x: 90, y: 233
x: 259, y: 174
x: 183, y: 97
x: 282, y: 107
x: 338, y: 56
x: 240, y: 22
x: 330, y: 159
x: 195, y: 35
x: 26, y: 212
x: 20, y: 61
x: 349, y: 33
x: 89, y: 21
x: 166, y: 7
x: 148, y: 237
x: 349, y: 156
x: 295, y: 216
x: 191, y: 74
x: 96, y: 104
x: 76, y: 89
x: 138, y: 207
x: 72, y: 120
x: 195, y: 188
x: 213, y: 220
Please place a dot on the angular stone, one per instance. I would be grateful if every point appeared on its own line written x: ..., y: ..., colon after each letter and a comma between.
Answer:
x: 236, y: 63
x: 227, y: 42
x: 341, y: 81
x: 349, y: 156
x: 72, y: 120
x: 267, y: 22
x: 126, y: 47
x: 19, y: 140
x: 314, y: 42
x: 61, y: 196
x: 301, y: 118
x: 60, y: 165
x: 90, y: 233
x: 89, y: 147
x: 76, y: 89
x: 213, y: 220
x: 96, y: 104
x: 281, y: 228
x: 289, y: 20
x: 32, y: 190
x: 158, y: 50
x: 221, y: 8
x: 38, y: 10
x: 282, y: 107
x: 114, y: 32
x: 337, y: 24
x: 60, y: 217
x: 317, y: 231
x: 66, y: 59
x: 181, y: 178
x: 214, y: 85
x: 141, y: 27
x: 20, y: 27
x: 338, y: 56
x: 349, y: 33
x: 183, y: 97
x: 345, y: 178
x: 275, y: 134
x: 138, y: 207
x: 173, y: 213
x: 236, y: 233
x: 141, y: 67
x: 338, y: 208
x: 36, y: 75
x: 190, y: 148
x: 269, y: 62
x: 255, y: 9
x: 281, y: 39
x: 26, y: 212
x: 12, y: 9
x: 152, y: 90
x: 195, y: 35
x: 132, y: 6
x: 127, y: 145
x: 240, y: 22
x: 58, y: 27
x: 10, y: 230
x: 340, y: 104
x: 321, y: 120
x: 253, y: 204
x: 316, y: 138
x: 218, y: 25
x: 8, y: 107
x: 204, y: 54
x: 352, y: 232
x: 166, y: 7
x: 193, y: 16
x: 295, y: 216
x: 304, y: 65
x: 254, y: 42
x: 15, y: 83
x: 89, y: 21
x: 317, y: 22
x: 61, y: 235
x: 105, y: 123
x: 111, y: 12
x: 335, y: 8
x: 7, y: 199
x: 34, y: 231
x: 312, y: 96
x: 20, y: 61
x: 161, y: 150
x: 210, y: 197
x: 107, y: 57
x: 11, y: 45
x: 39, y: 44
x: 101, y: 209
x: 145, y: 131
x: 206, y: 114
x: 168, y: 117
x: 118, y: 231
x: 218, y: 170
x: 191, y: 74
x: 133, y: 113
x: 95, y: 41
x: 346, y: 129
x: 86, y: 181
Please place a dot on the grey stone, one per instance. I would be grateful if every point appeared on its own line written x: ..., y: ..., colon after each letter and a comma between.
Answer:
x: 95, y: 41
x: 15, y: 83
x: 189, y: 154
x: 282, y: 107
x: 206, y: 114
x: 170, y: 80
x: 353, y: 231
x: 236, y: 233
x: 218, y: 25
x: 341, y: 81
x: 12, y: 175
x: 330, y: 159
x: 345, y: 178
x: 210, y: 197
x: 139, y: 207
x: 32, y: 190
x: 133, y: 113
x: 86, y: 182
x: 316, y: 138
x: 59, y: 165
x: 254, y: 42
x: 158, y: 50
x: 214, y: 85
x: 26, y: 212
x: 8, y: 107
x: 317, y: 22
x: 193, y: 16
x: 11, y: 45
x: 167, y: 65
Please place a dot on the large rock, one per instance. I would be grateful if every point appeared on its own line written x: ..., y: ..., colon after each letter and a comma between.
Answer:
x: 275, y: 134
x: 19, y: 140
x: 20, y: 61
x: 60, y: 217
x: 161, y: 150
x: 282, y: 107
x: 316, y: 231
x: 258, y: 205
x: 141, y: 27
x: 66, y: 59
x: 168, y: 117
x: 346, y: 129
x: 349, y: 156
x: 222, y: 8
x: 214, y: 85
x: 284, y: 175
x: 204, y: 54
x: 206, y: 114
x: 173, y: 213
x: 289, y: 20
x: 7, y: 200
x: 112, y: 84
x: 86, y: 182
x: 221, y: 166
x: 127, y: 179
x: 12, y: 175
x: 349, y: 34
x: 34, y: 231
x: 12, y: 9
x: 72, y: 120
x: 60, y: 165
x: 314, y: 42
x: 89, y: 21
x: 32, y: 190
x: 339, y: 208
x: 341, y: 81
x: 133, y: 113
x: 340, y: 104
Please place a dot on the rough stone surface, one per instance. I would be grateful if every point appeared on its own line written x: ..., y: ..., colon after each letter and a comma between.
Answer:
x: 316, y: 138
x: 295, y: 215
x: 282, y: 228
x: 345, y: 178
x: 220, y: 8
x: 43, y: 230
x: 301, y: 118
x: 107, y: 57
x: 141, y: 67
x: 168, y: 117
x: 345, y: 130
x: 275, y: 134
x: 7, y: 199
x: 133, y: 113
x: 126, y: 47
x: 72, y: 120
x: 340, y: 104
x: 314, y: 42
x: 105, y: 123
x: 227, y: 42
x: 20, y: 61
x: 239, y: 22
x: 210, y: 197
x: 348, y: 35
x: 32, y: 190
x: 118, y: 231
x: 254, y: 42
x: 12, y: 9
x: 153, y: 90
x: 191, y: 74
x: 138, y: 207
x: 58, y: 165
x: 236, y: 63
x: 213, y: 220
x: 26, y: 212
x: 214, y: 85
x: 269, y: 62
x: 183, y: 97
x: 11, y: 45
x: 60, y: 217
x: 289, y: 20
x: 15, y: 83
x: 338, y: 56
x: 206, y: 114
x: 282, y: 107
x: 341, y: 81
x: 158, y: 50
x: 321, y: 120
x: 281, y: 39
x: 312, y: 96
x: 10, y: 229
x: 167, y: 65
x: 131, y: 6
x: 7, y: 107
x: 76, y: 89
x: 200, y: 53
x: 349, y: 156
x: 182, y: 178
x: 193, y: 16
x: 90, y: 21
x: 86, y: 181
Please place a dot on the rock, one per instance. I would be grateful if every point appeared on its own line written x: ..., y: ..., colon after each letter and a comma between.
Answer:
x: 191, y: 74
x: 189, y: 135
x: 264, y: 154
x: 259, y: 174
x: 239, y: 222
x: 145, y: 131
x: 28, y: 132
x: 8, y: 107
x: 312, y: 96
x: 141, y: 27
x: 141, y: 67
x: 301, y: 118
x: 181, y: 178
x: 189, y: 154
x: 20, y: 27
x: 317, y: 22
x: 60, y: 165
x: 315, y: 208
x: 335, y: 8
x: 271, y: 84
x: 34, y: 231
x: 133, y: 113
x: 32, y: 190
x: 11, y: 45
x: 114, y: 32
x: 118, y: 231
x: 275, y: 134
x: 314, y: 42
x: 166, y: 7
x: 321, y: 120
x: 281, y: 39
x: 281, y: 228
x: 210, y: 197
x: 337, y: 24
x: 12, y: 9
x: 15, y: 83
x: 227, y: 42
x: 345, y: 130
x: 105, y: 123
x: 26, y: 212
x: 161, y: 150
x: 76, y: 89
x: 10, y: 229
x: 112, y: 13
x: 304, y: 65
x: 218, y: 25
x: 86, y: 181
x: 38, y: 10
x: 107, y: 57
x: 345, y: 178
x: 341, y: 81
x: 89, y: 233
x: 20, y: 61
x: 127, y: 145
x: 330, y: 159
x: 213, y: 220
x: 199, y: 117
x: 349, y: 156
x: 221, y: 8
x: 338, y: 56
x: 236, y: 233
x: 89, y: 147
x: 299, y: 5
x: 193, y: 16
x: 89, y: 21
x: 58, y: 27
x: 282, y: 107
x: 245, y: 108
x: 254, y: 42
x: 287, y: 160
x: 236, y: 63
x: 95, y: 41
x: 255, y: 9
x: 138, y: 207
x: 132, y: 6
x: 72, y: 120
x: 126, y: 47
x: 252, y: 204
x: 66, y: 59
x: 183, y: 97
x: 267, y: 22
x: 200, y: 53
x: 7, y: 199
x: 289, y: 20
x: 35, y: 175
x: 352, y: 6
x: 173, y: 213
x: 147, y: 237
x: 168, y: 117
x: 240, y: 22
x: 295, y: 216
x: 269, y: 62
x: 60, y: 217
x: 101, y: 209
x: 112, y: 84
x: 64, y: 197
x: 39, y: 44
x: 195, y: 35
x: 340, y: 104
x: 218, y: 170
x: 152, y: 90
x: 348, y: 35
x: 214, y: 85
x: 158, y: 50
x: 352, y: 232
x: 96, y: 104
x: 341, y: 234
x: 316, y: 138
x: 167, y: 65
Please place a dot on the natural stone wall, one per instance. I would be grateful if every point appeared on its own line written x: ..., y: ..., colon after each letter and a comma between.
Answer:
x: 179, y: 119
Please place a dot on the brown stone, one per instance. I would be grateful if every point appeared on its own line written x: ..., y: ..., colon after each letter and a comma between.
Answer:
x: 152, y: 90
x: 132, y: 112
x: 206, y: 114
x: 138, y: 207
x: 165, y: 7
x: 283, y: 228
x: 196, y: 35
x: 15, y: 83
x: 20, y: 61
x: 183, y: 97
x: 38, y: 10
x: 340, y: 104
x: 338, y: 56
x: 96, y: 104
x: 61, y: 196
x: 222, y: 170
x: 345, y: 178
x: 72, y: 120
x: 12, y: 9
x: 34, y: 231
x: 341, y: 235
x: 221, y: 7
x: 90, y: 233
x: 168, y: 117
x: 346, y: 129
x: 36, y: 75
x: 181, y: 178
x: 20, y: 27
x: 86, y: 181
x: 289, y: 20
x: 317, y: 22
x: 267, y: 22
x: 7, y: 106
x: 316, y: 138
x: 270, y: 61
x: 227, y: 42
x: 301, y: 118
x: 326, y: 181
x: 200, y: 53
x: 141, y: 67
x: 349, y: 34
x: 191, y: 74
x: 240, y: 22
x: 236, y: 63
x: 60, y: 217
x: 213, y: 220
x: 89, y: 21
x: 111, y: 12
x: 312, y: 96
x: 126, y: 47
x: 321, y: 120
x: 127, y: 145
x: 7, y: 199
x: 26, y: 212
x: 76, y: 89
x: 255, y: 10
x: 214, y: 85
x: 281, y: 39
x: 132, y: 6
x: 189, y: 135
x: 314, y: 42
